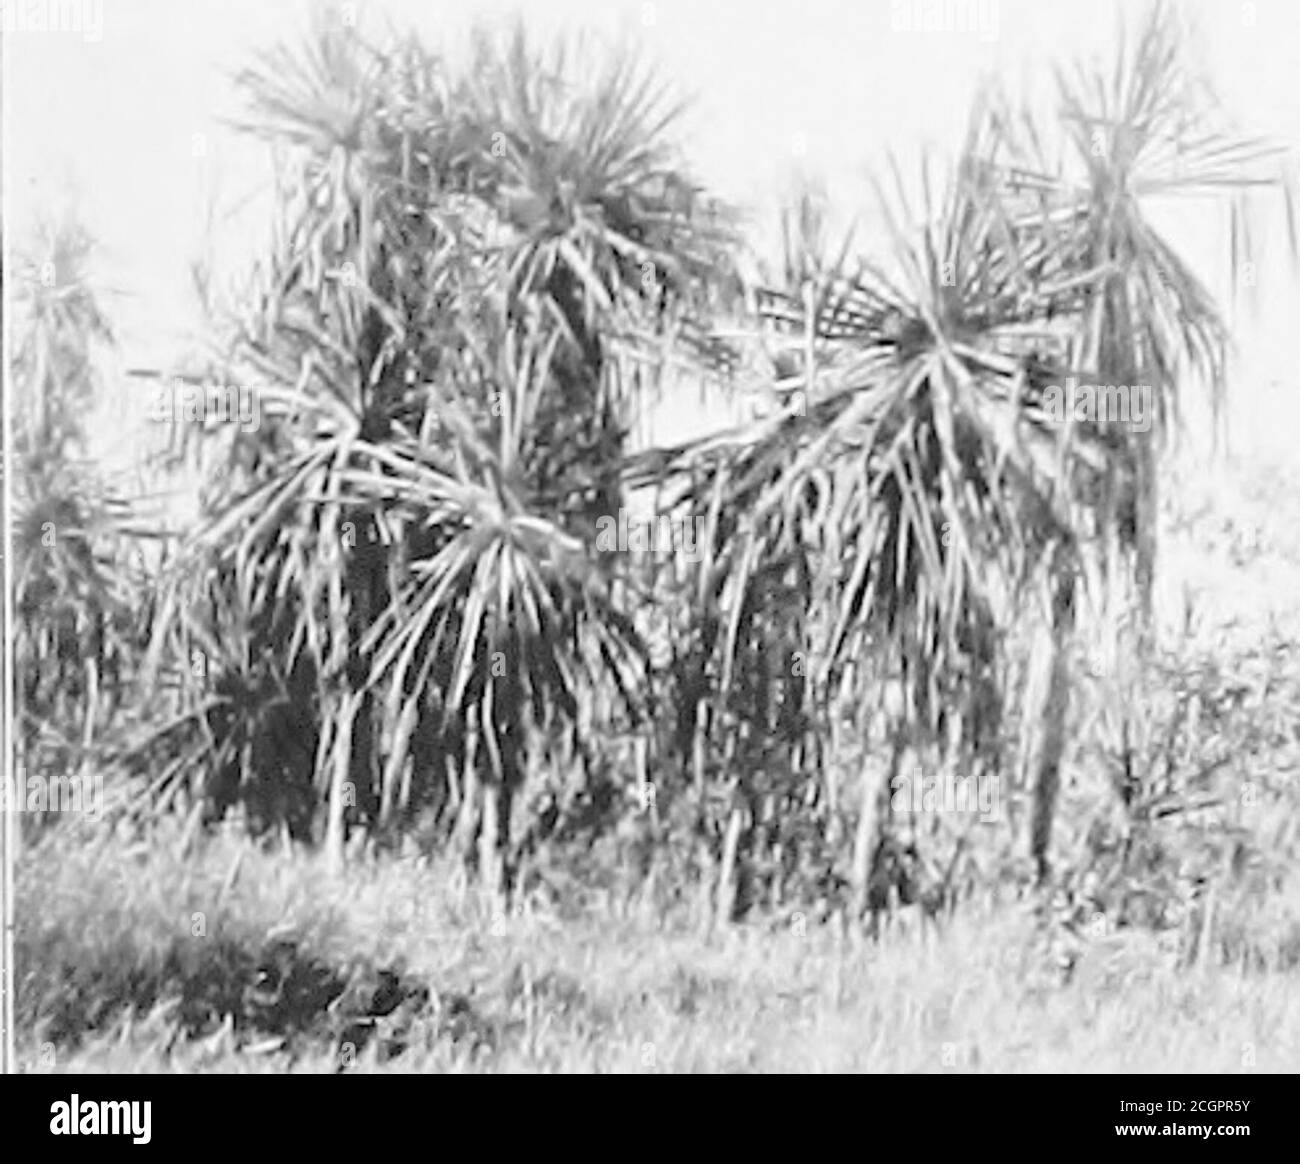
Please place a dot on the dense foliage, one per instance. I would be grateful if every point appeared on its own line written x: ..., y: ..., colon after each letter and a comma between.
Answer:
x: 397, y: 616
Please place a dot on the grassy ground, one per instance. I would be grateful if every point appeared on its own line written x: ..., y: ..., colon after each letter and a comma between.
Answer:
x: 233, y: 957
x: 612, y: 991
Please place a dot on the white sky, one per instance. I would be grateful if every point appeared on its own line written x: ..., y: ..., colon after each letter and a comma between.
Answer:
x: 780, y: 86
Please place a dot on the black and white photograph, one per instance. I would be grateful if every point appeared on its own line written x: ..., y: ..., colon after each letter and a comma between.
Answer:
x: 652, y: 537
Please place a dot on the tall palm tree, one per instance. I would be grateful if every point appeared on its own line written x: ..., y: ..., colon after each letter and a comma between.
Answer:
x: 472, y: 282
x: 885, y: 520
x: 1150, y: 129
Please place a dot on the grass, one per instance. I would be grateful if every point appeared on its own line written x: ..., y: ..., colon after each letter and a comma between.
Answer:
x: 150, y: 941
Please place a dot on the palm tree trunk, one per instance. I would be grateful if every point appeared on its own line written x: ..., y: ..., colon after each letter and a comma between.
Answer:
x: 467, y: 817
x: 19, y: 786
x: 1147, y: 508
x: 726, y: 897
x: 340, y: 786
x: 864, y: 842
x: 875, y: 796
x: 1051, y: 667
x: 489, y: 839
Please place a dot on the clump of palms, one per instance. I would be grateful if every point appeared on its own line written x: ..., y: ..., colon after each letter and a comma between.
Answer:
x: 476, y: 279
x: 473, y: 277
x: 877, y: 528
x: 917, y: 489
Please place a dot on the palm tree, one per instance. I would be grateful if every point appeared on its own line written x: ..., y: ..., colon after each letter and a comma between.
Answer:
x: 74, y: 610
x: 917, y: 486
x: 884, y: 520
x: 1149, y: 130
x: 473, y: 279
